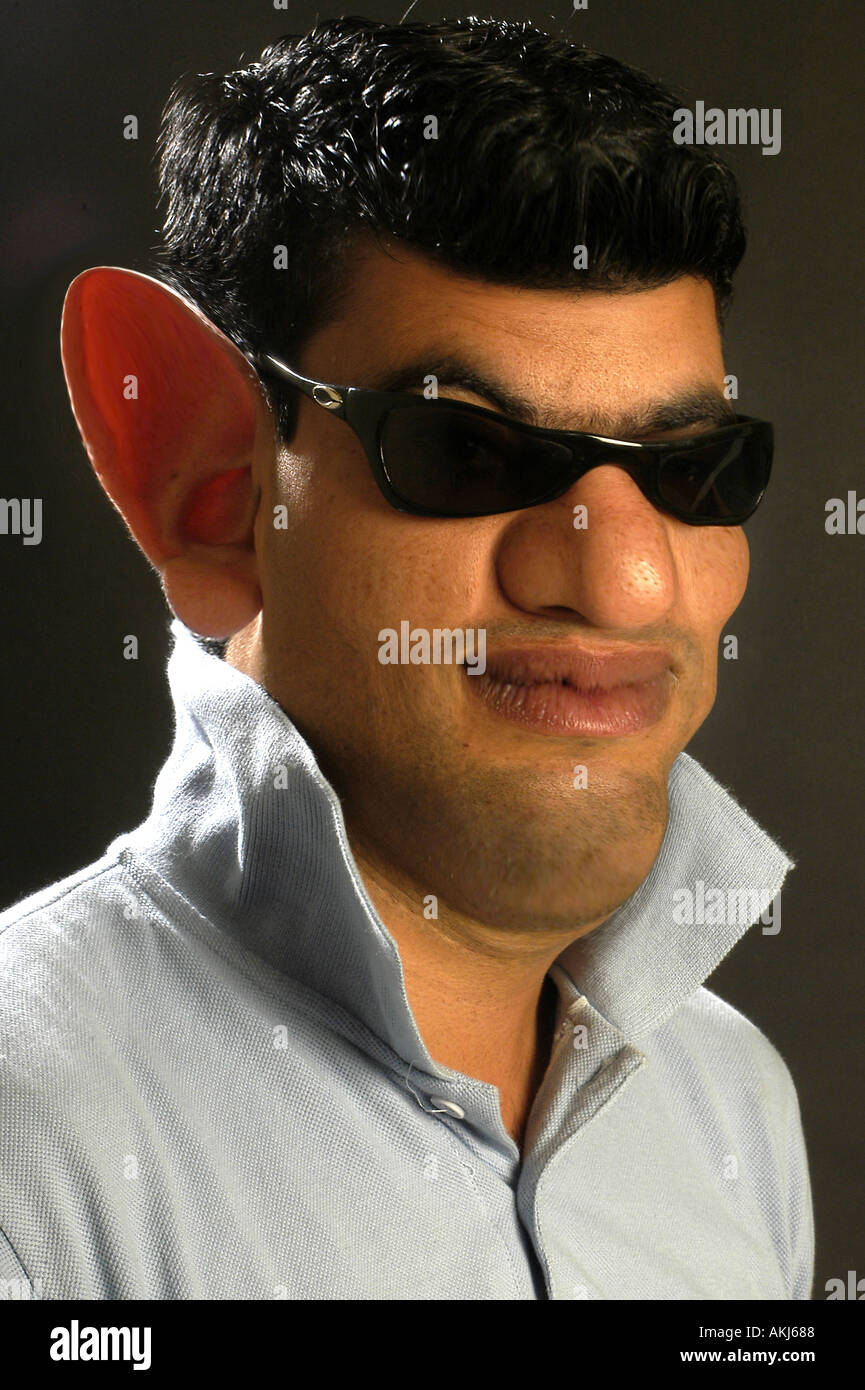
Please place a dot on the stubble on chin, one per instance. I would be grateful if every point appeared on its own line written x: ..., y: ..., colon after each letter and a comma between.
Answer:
x: 516, y: 849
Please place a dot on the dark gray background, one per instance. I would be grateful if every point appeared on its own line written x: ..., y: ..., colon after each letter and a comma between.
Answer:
x: 83, y: 732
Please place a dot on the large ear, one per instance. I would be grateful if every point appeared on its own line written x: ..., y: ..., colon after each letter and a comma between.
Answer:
x: 172, y: 416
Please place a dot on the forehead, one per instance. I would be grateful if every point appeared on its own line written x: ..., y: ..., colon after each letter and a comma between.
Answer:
x: 592, y: 346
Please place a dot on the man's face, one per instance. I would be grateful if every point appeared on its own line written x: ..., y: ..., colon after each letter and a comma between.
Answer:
x: 441, y: 790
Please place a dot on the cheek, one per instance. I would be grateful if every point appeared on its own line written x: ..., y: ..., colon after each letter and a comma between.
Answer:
x: 713, y: 575
x: 712, y: 571
x: 345, y: 564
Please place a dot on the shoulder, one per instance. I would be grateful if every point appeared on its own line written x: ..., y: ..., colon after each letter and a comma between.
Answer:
x: 63, y: 899
x: 724, y: 1034
x: 64, y: 931
x: 103, y: 975
x: 736, y: 1089
x: 733, y: 1057
x: 67, y: 954
x: 734, y: 1093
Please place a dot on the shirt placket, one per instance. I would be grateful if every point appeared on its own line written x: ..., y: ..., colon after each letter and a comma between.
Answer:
x: 590, y: 1064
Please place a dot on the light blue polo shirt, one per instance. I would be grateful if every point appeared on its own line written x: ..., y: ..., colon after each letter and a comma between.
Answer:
x: 212, y: 1085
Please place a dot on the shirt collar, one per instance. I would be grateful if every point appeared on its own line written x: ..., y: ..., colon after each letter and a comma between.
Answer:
x: 247, y: 829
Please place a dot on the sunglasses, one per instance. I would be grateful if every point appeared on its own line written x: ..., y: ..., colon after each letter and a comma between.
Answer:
x: 447, y: 458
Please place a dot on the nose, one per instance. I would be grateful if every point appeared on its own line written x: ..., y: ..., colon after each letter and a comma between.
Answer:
x: 616, y: 568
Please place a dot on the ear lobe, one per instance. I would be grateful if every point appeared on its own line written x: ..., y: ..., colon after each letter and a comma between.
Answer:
x: 167, y: 407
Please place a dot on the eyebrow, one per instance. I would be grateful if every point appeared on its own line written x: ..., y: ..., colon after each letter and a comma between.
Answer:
x: 691, y: 405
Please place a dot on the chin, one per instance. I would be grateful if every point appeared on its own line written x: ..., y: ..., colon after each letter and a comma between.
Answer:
x: 559, y: 877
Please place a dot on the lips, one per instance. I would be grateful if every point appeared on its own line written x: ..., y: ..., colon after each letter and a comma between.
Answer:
x: 595, y: 693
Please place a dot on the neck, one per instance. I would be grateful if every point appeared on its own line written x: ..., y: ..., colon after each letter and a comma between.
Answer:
x: 481, y: 1000
x: 483, y: 1006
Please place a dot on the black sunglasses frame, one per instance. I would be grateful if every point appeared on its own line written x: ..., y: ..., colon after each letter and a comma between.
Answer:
x: 364, y: 411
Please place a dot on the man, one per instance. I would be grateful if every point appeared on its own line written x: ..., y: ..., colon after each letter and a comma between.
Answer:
x: 392, y: 995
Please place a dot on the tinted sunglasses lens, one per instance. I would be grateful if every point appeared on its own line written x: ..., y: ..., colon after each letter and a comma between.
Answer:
x: 457, y: 464
x: 720, y: 481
